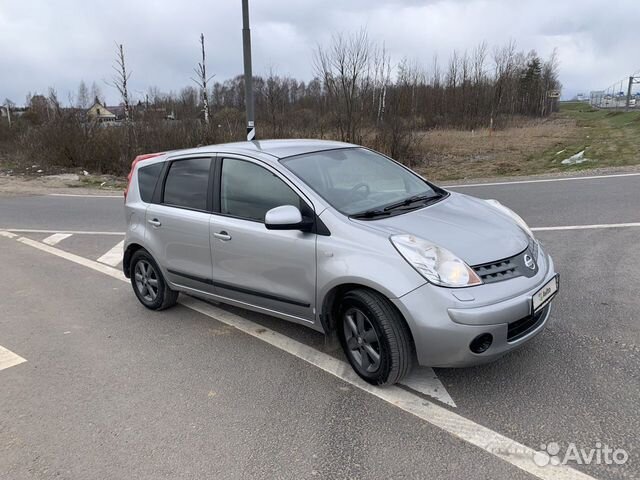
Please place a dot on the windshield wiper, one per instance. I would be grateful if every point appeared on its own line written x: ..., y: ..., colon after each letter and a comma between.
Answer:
x: 370, y: 213
x: 411, y: 200
x: 377, y: 212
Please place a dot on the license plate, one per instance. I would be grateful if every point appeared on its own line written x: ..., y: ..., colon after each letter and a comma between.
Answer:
x: 545, y: 294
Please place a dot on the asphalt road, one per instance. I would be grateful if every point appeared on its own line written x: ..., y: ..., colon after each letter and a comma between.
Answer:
x: 111, y: 390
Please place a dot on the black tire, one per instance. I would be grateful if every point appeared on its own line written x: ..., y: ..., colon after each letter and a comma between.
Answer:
x: 393, y: 341
x: 154, y: 297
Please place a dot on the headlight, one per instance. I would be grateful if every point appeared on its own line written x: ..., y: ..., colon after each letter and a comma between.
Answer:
x: 517, y: 218
x: 436, y: 264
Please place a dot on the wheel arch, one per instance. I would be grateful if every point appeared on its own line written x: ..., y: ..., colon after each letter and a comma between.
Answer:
x: 126, y: 259
x: 331, y: 302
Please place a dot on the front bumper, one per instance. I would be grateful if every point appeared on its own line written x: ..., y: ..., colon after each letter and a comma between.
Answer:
x: 445, y: 321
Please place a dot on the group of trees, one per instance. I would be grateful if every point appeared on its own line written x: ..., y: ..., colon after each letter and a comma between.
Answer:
x: 358, y: 94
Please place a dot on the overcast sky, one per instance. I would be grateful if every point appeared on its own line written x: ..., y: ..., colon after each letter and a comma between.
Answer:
x: 57, y: 43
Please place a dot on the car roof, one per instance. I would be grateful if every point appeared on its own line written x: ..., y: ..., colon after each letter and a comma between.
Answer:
x: 273, y: 148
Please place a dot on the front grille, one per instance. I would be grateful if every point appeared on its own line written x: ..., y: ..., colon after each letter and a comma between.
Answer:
x: 520, y: 328
x: 508, y: 267
x: 494, y: 272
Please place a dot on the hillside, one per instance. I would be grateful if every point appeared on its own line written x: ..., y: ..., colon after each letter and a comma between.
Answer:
x: 608, y: 139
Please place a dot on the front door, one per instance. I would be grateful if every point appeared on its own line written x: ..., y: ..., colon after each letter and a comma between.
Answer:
x: 177, y: 230
x: 272, y: 269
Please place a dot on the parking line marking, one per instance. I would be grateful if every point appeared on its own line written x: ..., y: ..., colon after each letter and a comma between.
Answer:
x: 83, y: 196
x: 510, y: 451
x: 114, y: 256
x: 72, y: 232
x: 586, y: 227
x: 9, y: 359
x: 542, y: 180
x: 492, y: 442
x: 112, y: 272
x: 56, y: 238
x: 425, y: 381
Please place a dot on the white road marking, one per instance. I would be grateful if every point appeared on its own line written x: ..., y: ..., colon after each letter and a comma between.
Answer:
x: 7, y: 234
x: 112, y: 272
x: 9, y: 359
x: 72, y: 232
x: 121, y: 197
x: 113, y: 256
x: 586, y: 227
x: 492, y: 442
x: 425, y: 381
x: 542, y: 180
x: 510, y: 451
x: 56, y: 238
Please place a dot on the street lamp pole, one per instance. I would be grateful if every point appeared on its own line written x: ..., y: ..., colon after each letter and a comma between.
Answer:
x: 248, y: 77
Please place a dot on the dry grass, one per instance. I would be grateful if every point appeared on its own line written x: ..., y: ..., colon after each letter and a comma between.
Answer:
x: 453, y: 154
x: 610, y: 139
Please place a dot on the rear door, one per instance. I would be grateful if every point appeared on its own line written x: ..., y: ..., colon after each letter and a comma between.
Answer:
x: 272, y: 269
x: 177, y: 230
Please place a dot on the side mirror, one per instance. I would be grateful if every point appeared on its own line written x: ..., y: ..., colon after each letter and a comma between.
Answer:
x: 286, y: 217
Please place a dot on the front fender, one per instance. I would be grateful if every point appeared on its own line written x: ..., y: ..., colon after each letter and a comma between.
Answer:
x: 361, y: 257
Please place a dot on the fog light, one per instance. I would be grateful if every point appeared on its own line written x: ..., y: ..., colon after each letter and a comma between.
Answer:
x: 481, y: 343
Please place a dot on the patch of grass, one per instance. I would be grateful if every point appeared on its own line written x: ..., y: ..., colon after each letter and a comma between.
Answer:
x: 99, y: 182
x: 609, y: 139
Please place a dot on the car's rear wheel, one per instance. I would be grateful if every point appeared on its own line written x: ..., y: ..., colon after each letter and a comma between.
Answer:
x: 149, y: 284
x: 375, y: 337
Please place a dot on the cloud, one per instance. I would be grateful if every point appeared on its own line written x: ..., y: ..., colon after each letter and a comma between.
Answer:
x: 59, y: 43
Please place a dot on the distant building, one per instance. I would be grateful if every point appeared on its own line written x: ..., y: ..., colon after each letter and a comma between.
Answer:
x: 15, y: 111
x: 596, y: 98
x: 100, y: 113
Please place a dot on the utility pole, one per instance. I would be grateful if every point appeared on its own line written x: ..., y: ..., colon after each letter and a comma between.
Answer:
x: 632, y: 80
x: 9, y: 113
x: 248, y: 76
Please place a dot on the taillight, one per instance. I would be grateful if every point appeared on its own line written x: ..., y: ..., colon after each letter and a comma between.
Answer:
x: 139, y: 158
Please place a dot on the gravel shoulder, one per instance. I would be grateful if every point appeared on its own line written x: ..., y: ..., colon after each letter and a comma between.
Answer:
x: 11, y: 185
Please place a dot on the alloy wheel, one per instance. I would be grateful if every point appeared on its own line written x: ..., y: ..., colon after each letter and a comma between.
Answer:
x: 362, y: 340
x: 146, y: 280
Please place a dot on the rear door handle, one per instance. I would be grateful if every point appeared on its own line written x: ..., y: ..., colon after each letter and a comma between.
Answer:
x: 155, y: 222
x: 224, y: 236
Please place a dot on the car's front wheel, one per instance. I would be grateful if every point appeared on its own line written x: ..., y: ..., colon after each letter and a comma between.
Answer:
x: 148, y: 283
x: 375, y: 337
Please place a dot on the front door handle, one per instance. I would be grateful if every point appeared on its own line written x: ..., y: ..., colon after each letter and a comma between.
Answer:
x: 224, y: 236
x: 155, y: 222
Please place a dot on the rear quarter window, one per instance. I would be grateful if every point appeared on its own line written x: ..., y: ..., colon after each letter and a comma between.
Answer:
x: 147, y: 179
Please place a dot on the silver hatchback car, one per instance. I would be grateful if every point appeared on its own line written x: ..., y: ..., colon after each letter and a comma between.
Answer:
x: 343, y: 240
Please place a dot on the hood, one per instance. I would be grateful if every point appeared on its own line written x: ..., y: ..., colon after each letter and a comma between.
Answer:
x: 467, y: 226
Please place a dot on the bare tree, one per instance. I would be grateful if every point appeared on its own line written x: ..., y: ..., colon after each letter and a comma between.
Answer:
x: 503, y: 59
x: 346, y: 72
x: 381, y: 81
x: 201, y: 80
x: 274, y: 95
x: 120, y: 80
x: 82, y: 98
x: 54, y: 103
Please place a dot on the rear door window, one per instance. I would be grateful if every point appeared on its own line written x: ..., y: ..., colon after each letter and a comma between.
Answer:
x: 187, y: 183
x: 147, y: 179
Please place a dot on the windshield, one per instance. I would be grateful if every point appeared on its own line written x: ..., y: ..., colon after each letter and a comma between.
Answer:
x: 357, y: 180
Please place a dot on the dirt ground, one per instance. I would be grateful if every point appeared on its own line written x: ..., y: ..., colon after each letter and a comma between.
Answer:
x: 68, y: 184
